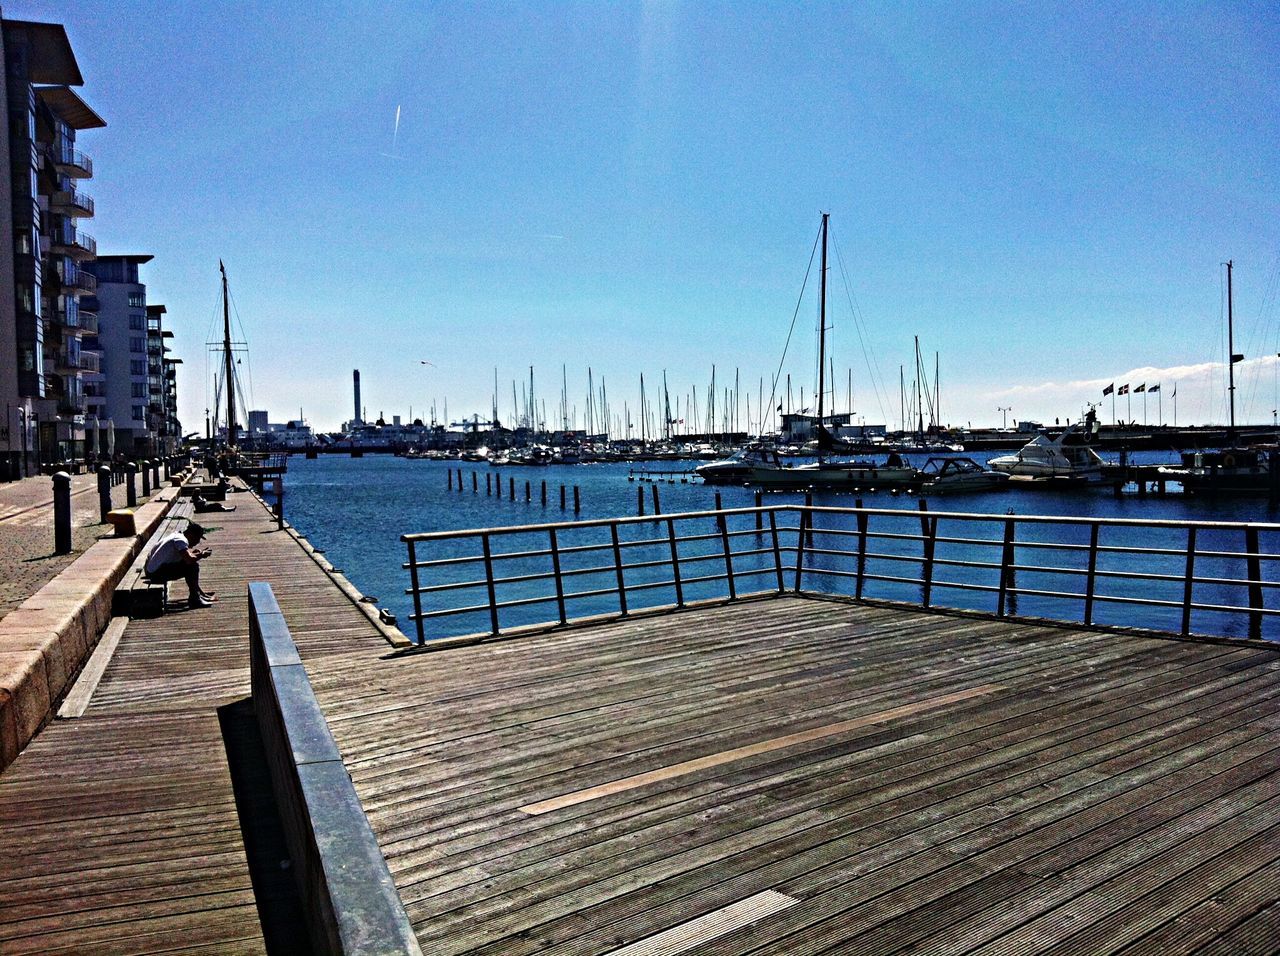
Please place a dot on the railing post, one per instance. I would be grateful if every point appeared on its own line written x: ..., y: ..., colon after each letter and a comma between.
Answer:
x: 760, y: 514
x: 862, y: 549
x: 104, y: 491
x: 555, y: 569
x: 488, y: 580
x: 1091, y: 578
x: 1253, y: 565
x: 929, y: 534
x: 675, y: 563
x: 617, y: 567
x: 62, y: 513
x: 804, y: 525
x: 417, y: 597
x: 1006, y: 567
x: 728, y: 559
x: 777, y: 551
x: 1188, y: 581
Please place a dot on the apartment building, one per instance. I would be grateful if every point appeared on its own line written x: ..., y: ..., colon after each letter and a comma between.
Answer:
x: 44, y: 356
x: 133, y: 396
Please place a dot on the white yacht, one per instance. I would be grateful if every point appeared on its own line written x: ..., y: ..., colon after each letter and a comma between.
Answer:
x: 1067, y: 456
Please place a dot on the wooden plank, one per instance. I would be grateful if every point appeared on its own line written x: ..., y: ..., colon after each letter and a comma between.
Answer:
x: 741, y: 753
x: 709, y: 926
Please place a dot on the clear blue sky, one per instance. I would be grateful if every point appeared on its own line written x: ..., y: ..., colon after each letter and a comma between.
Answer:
x: 1043, y: 193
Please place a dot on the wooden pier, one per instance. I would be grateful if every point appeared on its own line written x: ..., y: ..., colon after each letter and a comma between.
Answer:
x: 777, y: 774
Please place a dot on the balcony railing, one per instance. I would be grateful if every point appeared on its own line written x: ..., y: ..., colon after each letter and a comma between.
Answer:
x: 72, y: 202
x: 73, y: 163
x: 80, y: 361
x: 77, y: 280
x: 76, y: 243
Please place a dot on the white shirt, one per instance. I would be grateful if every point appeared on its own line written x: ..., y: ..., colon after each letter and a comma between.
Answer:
x: 168, y: 551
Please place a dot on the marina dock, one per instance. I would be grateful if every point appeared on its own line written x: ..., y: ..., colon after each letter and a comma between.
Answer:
x: 780, y: 773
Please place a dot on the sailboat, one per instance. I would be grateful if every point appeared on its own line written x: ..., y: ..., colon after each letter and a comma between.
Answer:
x: 1234, y: 469
x: 762, y: 468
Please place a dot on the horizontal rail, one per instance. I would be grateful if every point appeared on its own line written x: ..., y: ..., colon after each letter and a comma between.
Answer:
x: 790, y: 550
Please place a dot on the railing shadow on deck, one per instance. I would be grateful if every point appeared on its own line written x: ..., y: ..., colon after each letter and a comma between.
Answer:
x: 1178, y: 577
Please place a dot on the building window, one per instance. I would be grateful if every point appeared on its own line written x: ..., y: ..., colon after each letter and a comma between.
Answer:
x: 137, y: 322
x: 137, y: 344
x: 139, y: 389
x: 138, y: 300
x: 137, y: 366
x: 139, y: 413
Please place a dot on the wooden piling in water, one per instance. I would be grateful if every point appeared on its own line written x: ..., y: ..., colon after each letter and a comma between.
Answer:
x: 544, y: 492
x: 657, y: 505
x: 577, y: 500
x: 488, y: 483
x: 640, y: 502
x: 511, y: 488
x: 449, y: 478
x: 528, y: 492
x: 475, y: 483
x: 562, y: 497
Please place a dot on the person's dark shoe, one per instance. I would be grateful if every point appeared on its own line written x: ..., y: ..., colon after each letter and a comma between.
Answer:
x: 200, y: 602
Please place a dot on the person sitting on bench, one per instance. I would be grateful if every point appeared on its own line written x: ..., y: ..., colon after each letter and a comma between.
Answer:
x: 203, y: 504
x: 177, y: 556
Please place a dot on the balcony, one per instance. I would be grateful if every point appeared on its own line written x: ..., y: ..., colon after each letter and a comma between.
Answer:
x: 72, y: 202
x: 75, y: 243
x: 73, y: 163
x: 70, y: 361
x: 89, y: 323
x: 70, y: 405
x: 77, y: 280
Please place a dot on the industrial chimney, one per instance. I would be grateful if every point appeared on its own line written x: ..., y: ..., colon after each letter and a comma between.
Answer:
x: 355, y: 375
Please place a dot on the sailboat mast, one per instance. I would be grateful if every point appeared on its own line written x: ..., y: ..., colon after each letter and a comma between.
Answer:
x: 919, y: 404
x: 226, y: 358
x: 822, y: 323
x: 1231, y: 363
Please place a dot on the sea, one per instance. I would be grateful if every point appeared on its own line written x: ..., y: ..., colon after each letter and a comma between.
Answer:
x: 356, y: 509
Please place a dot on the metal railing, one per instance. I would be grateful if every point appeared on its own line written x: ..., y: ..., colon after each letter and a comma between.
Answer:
x: 1108, y: 572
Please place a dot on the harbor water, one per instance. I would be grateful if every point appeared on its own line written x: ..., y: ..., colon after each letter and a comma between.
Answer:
x: 355, y: 510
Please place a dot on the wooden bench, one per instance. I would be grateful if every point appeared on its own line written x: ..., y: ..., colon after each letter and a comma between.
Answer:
x: 137, y: 595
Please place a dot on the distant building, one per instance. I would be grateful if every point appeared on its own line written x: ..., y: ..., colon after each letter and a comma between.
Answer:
x: 43, y: 359
x: 258, y: 423
x: 134, y: 394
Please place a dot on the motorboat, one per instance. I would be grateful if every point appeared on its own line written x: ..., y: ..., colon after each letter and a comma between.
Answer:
x: 738, y: 468
x: 955, y: 475
x: 1068, y: 456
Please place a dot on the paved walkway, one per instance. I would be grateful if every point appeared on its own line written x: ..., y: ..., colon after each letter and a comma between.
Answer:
x: 27, y: 561
x: 145, y: 825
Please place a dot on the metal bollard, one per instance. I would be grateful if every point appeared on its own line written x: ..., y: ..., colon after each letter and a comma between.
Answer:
x: 131, y: 490
x: 166, y: 461
x: 62, y: 513
x: 146, y: 477
x: 104, y: 491
x: 155, y: 473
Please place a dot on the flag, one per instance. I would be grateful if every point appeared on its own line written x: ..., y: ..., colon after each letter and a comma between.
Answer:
x: 1175, y: 389
x: 779, y: 406
x: 1140, y: 388
x: 1153, y: 388
x: 1124, y: 390
x: 1109, y: 389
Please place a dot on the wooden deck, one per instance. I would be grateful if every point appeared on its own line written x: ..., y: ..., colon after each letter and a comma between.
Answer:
x: 803, y: 776
x: 119, y: 830
x: 785, y: 775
